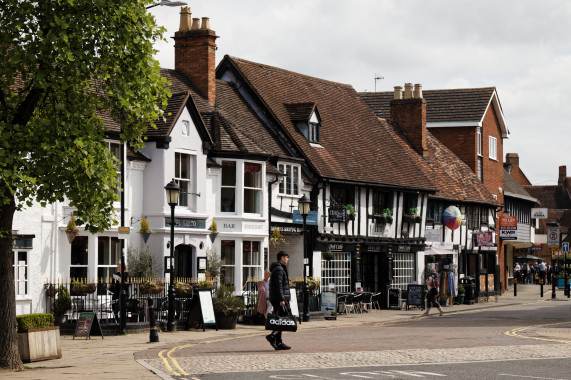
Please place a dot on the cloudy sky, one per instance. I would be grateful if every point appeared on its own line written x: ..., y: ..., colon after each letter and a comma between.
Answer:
x: 522, y: 47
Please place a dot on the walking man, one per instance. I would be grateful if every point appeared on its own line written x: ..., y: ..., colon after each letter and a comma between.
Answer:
x: 279, y: 296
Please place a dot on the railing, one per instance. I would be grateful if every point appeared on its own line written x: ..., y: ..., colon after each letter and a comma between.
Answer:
x: 102, y: 298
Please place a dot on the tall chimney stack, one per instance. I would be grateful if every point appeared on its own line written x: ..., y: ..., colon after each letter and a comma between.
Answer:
x: 410, y: 114
x: 194, y: 53
x: 562, y: 175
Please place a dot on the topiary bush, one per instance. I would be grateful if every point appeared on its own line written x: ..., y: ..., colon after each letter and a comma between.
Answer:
x: 62, y: 303
x: 34, y: 321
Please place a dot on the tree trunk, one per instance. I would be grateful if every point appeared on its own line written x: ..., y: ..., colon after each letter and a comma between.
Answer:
x: 9, y: 355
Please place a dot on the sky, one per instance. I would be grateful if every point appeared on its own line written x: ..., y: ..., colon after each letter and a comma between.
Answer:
x: 521, y: 47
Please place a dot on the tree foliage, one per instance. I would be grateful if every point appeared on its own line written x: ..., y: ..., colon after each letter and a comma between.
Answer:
x: 72, y: 72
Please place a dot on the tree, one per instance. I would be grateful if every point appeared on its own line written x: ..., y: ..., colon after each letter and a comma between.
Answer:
x: 66, y: 66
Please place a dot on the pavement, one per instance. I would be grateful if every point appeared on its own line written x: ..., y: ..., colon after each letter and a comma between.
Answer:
x: 123, y: 356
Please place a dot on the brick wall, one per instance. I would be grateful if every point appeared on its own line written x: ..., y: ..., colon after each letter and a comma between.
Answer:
x: 195, y: 56
x: 461, y: 141
x: 410, y: 114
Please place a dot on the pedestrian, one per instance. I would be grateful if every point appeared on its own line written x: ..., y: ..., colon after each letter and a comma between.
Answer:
x: 264, y: 304
x: 115, y: 289
x: 531, y: 273
x: 549, y: 274
x: 432, y: 285
x: 517, y: 270
x: 279, y: 296
x: 542, y: 271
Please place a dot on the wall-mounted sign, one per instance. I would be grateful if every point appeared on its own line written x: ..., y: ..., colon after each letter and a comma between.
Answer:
x: 288, y: 230
x: 484, y: 238
x: 553, y: 236
x: 508, y: 227
x: 539, y: 213
x: 310, y: 219
x: 337, y: 215
x: 434, y: 235
x: 186, y: 222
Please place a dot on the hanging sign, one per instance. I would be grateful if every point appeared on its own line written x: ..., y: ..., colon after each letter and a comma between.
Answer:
x: 310, y: 219
x: 484, y: 238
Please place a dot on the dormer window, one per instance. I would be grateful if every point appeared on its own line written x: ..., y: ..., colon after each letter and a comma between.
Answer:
x: 314, y: 126
x: 307, y: 120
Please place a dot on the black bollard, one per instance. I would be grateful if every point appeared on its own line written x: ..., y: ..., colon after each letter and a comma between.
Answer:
x: 515, y: 287
x: 153, y: 333
x: 541, y: 286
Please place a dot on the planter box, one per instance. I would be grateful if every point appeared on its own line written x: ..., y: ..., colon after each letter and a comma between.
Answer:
x: 39, y: 344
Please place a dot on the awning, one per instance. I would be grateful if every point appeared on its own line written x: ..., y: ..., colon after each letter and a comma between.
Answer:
x: 519, y: 244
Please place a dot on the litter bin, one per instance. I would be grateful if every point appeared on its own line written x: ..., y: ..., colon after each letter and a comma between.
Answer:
x: 470, y: 285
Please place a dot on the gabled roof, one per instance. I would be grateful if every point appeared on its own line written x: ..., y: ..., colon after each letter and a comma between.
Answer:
x: 300, y: 111
x: 513, y: 189
x: 354, y: 145
x: 447, y: 108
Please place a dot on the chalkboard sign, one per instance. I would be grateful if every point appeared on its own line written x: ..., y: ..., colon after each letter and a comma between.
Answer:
x: 394, y: 297
x: 415, y: 296
x: 85, y: 324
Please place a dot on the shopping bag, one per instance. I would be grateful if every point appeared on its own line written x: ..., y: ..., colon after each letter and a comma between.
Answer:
x: 276, y: 322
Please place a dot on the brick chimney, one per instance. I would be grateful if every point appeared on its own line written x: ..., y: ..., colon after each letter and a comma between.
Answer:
x: 194, y: 53
x: 410, y: 114
x: 562, y: 175
x: 512, y: 159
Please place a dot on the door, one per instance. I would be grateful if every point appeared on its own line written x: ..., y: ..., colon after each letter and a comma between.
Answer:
x: 183, y: 261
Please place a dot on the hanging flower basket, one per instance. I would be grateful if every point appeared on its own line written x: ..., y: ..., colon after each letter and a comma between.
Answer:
x: 82, y: 289
x: 51, y: 290
x: 71, y: 230
x: 151, y: 288
x: 182, y: 289
x: 213, y: 236
x: 71, y: 236
x: 145, y: 236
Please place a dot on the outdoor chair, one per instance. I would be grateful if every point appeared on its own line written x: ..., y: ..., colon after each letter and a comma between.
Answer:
x: 366, y: 302
x: 349, y: 304
x: 357, y: 306
x: 342, y: 304
x: 375, y: 299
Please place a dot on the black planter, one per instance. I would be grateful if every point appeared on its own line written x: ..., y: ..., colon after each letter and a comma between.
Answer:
x: 226, y: 322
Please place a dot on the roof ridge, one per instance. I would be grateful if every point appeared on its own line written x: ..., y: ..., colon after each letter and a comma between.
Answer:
x: 289, y: 72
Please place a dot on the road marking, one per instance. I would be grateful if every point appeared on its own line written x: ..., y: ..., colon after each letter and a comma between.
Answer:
x: 515, y: 333
x: 528, y: 377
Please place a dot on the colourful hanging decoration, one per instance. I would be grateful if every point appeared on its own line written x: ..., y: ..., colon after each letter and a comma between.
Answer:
x: 452, y: 217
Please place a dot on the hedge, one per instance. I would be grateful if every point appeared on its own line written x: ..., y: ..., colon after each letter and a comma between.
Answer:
x: 34, y: 321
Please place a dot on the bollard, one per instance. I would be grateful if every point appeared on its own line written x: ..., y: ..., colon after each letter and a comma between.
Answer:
x: 515, y: 287
x: 541, y: 287
x: 153, y: 333
x: 567, y: 288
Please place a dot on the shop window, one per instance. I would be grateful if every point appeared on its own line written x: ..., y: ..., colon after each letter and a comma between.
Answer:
x: 228, y: 187
x: 252, y: 188
x: 338, y: 272
x: 251, y: 268
x: 79, y: 258
x: 404, y: 270
x: 228, y: 253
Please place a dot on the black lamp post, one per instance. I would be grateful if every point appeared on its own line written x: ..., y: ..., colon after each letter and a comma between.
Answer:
x: 303, y: 206
x: 172, y: 189
x: 167, y: 3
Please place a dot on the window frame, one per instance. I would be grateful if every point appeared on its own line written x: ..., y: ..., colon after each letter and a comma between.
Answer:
x: 26, y: 280
x: 256, y: 267
x: 117, y: 154
x: 112, y: 266
x: 493, y: 148
x: 228, y: 267
x: 228, y: 186
x: 290, y: 184
x: 479, y: 141
x: 184, y: 196
x: 257, y: 189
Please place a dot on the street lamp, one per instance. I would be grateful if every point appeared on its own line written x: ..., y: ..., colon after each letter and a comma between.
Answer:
x: 303, y: 206
x: 172, y: 189
x: 167, y: 3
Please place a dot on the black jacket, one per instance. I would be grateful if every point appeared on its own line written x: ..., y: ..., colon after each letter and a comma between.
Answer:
x: 279, y: 283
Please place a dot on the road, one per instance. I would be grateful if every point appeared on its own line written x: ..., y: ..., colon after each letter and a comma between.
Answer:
x: 538, y: 330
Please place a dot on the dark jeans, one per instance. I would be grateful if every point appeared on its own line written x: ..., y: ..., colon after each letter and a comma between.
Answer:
x: 281, y: 311
x: 431, y: 299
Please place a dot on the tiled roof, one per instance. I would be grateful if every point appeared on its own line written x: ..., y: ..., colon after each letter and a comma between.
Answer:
x: 465, y: 104
x: 552, y: 197
x: 355, y: 145
x: 455, y: 181
x: 300, y: 111
x: 513, y: 188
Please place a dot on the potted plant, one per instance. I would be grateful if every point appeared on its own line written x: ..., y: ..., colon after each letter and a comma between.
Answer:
x: 327, y: 255
x: 61, y: 305
x: 150, y: 287
x: 51, y: 290
x: 461, y: 294
x: 277, y: 238
x: 350, y: 211
x: 312, y: 283
x: 227, y: 307
x: 213, y: 230
x: 412, y: 216
x: 79, y: 288
x: 145, y: 231
x: 204, y: 284
x: 38, y: 338
x: 71, y: 230
x: 182, y: 289
x: 385, y: 216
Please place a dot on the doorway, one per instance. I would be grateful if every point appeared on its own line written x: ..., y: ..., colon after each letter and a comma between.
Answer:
x: 183, y: 255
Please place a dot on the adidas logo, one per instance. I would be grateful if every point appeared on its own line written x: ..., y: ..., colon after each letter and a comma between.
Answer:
x: 282, y: 322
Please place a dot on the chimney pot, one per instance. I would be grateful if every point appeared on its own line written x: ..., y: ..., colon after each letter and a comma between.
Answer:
x: 195, y: 23
x: 184, y: 19
x: 418, y: 91
x: 205, y: 23
x: 398, y: 92
x: 408, y: 90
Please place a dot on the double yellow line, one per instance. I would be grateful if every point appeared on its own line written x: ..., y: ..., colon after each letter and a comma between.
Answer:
x: 175, y: 369
x: 516, y: 333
